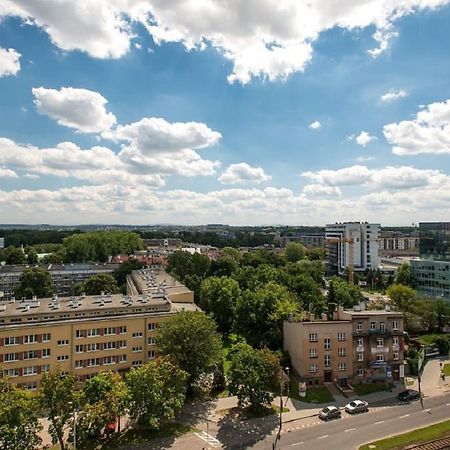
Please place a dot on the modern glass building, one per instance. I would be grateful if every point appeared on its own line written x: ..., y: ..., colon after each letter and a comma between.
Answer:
x: 434, y: 241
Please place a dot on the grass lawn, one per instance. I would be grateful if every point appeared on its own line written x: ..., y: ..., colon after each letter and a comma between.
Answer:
x: 370, y: 388
x: 428, y: 339
x: 314, y: 394
x: 419, y: 436
x: 447, y: 369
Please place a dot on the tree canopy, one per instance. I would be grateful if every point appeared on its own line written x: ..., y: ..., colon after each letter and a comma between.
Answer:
x: 35, y: 281
x: 294, y: 252
x: 102, y: 282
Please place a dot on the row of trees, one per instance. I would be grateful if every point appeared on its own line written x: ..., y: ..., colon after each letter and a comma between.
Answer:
x: 152, y: 394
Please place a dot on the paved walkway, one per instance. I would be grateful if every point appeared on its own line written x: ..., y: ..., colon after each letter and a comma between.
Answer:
x: 431, y: 381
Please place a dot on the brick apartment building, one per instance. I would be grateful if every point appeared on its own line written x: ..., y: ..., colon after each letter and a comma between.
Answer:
x: 356, y: 346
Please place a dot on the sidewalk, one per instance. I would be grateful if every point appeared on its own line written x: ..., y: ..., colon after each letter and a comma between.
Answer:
x: 431, y: 382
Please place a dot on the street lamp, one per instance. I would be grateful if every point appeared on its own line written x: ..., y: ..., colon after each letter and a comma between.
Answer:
x: 282, y: 381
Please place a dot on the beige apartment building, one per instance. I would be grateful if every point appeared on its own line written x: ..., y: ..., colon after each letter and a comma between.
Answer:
x: 357, y: 346
x: 88, y: 334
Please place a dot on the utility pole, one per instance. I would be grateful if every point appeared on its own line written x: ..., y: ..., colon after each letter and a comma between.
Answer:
x: 282, y: 375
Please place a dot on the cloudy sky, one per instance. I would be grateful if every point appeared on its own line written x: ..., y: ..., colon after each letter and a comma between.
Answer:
x: 230, y: 111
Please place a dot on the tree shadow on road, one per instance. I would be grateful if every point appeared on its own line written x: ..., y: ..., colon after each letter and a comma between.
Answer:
x: 234, y: 433
x: 196, y: 412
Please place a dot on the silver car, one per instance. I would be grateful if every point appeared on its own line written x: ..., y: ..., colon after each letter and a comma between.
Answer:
x: 357, y: 406
x: 330, y: 412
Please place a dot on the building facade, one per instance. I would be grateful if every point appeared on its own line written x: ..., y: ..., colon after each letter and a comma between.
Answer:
x: 64, y: 276
x: 352, y: 242
x: 354, y: 347
x: 395, y: 245
x: 85, y: 335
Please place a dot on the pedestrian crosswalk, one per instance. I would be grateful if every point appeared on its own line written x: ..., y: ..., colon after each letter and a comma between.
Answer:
x: 211, y: 440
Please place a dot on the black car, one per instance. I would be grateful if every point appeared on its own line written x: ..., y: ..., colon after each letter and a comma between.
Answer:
x: 408, y: 395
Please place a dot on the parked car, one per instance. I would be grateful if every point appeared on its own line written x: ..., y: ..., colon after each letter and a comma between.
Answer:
x: 408, y: 395
x: 330, y: 412
x: 356, y: 406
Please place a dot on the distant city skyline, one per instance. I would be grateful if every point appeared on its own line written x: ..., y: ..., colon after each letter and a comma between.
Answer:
x: 243, y: 113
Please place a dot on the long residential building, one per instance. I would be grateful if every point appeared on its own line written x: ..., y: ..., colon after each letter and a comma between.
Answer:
x: 64, y: 276
x: 88, y: 334
x: 352, y: 243
x: 356, y: 346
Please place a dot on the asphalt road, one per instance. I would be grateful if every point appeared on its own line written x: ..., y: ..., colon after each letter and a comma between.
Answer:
x: 351, y: 431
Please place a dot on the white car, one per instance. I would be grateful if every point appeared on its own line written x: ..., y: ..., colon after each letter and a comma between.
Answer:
x: 357, y: 406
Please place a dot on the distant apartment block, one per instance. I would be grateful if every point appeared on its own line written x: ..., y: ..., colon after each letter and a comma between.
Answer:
x: 64, y: 276
x: 391, y: 244
x: 352, y: 242
x: 355, y: 347
x: 89, y: 334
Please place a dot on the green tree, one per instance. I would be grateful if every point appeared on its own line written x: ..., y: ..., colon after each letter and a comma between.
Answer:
x: 218, y: 296
x: 125, y: 269
x: 59, y: 399
x: 259, y: 315
x: 254, y: 375
x: 294, y: 252
x: 346, y: 294
x: 19, y: 424
x: 102, y: 282
x: 180, y: 264
x: 225, y: 266
x: 233, y: 253
x: 32, y: 256
x: 191, y: 341
x: 316, y: 254
x: 401, y: 295
x: 405, y: 276
x: 35, y: 281
x: 13, y: 255
x: 157, y: 391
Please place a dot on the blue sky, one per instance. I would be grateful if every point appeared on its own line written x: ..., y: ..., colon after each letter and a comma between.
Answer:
x: 215, y: 111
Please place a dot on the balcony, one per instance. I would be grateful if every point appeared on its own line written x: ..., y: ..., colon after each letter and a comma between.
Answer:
x: 360, y: 348
x: 380, y: 332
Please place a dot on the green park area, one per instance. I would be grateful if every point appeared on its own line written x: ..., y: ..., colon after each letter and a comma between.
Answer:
x: 419, y: 436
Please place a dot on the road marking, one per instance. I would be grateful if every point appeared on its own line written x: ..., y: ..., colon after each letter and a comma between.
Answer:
x: 211, y: 440
x: 350, y: 429
x: 378, y: 423
x: 297, y: 443
x: 402, y: 417
x: 323, y: 437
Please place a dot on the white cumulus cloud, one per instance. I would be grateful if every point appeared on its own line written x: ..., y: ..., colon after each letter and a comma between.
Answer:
x: 393, y: 95
x: 243, y: 173
x: 81, y: 109
x: 428, y: 133
x: 262, y: 38
x: 9, y: 62
x: 319, y: 190
x: 7, y: 173
x: 364, y: 138
x: 315, y: 125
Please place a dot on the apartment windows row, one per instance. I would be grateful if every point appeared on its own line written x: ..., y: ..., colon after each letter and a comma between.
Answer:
x: 100, y: 346
x: 106, y: 360
x: 327, y: 341
x: 27, y: 339
x: 95, y: 332
x: 30, y: 354
x: 342, y: 367
x: 26, y: 371
x: 313, y: 352
x: 381, y: 326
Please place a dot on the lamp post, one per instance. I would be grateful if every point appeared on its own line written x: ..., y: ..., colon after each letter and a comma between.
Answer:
x: 282, y: 375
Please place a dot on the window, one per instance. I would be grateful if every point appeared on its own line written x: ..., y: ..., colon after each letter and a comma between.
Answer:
x: 151, y: 341
x: 93, y: 332
x: 78, y: 349
x: 29, y: 371
x: 62, y: 357
x: 360, y: 341
x: 341, y: 367
x: 395, y: 340
x: 79, y: 334
x: 110, y: 331
x: 11, y: 357
x: 151, y: 354
x: 313, y: 368
x: 122, y: 330
x: 341, y: 336
x: 395, y: 356
x: 78, y: 364
x: 138, y: 335
x: 46, y: 353
x: 327, y: 361
x: 93, y: 362
x: 380, y: 357
x: 372, y: 326
x: 122, y: 344
x: 63, y: 342
x: 382, y: 326
x: 45, y: 368
x: 327, y: 343
x: 108, y: 360
x: 12, y: 340
x: 109, y: 346
x: 313, y: 353
x: 122, y: 358
x: 137, y: 349
x: 136, y: 363
x: 395, y: 325
x: 152, y: 326
x: 360, y: 372
x: 359, y: 327
x: 380, y: 342
x: 341, y: 351
x: 31, y: 339
x: 12, y: 373
x: 93, y: 347
x: 32, y: 354
x: 46, y: 337
x: 360, y: 356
